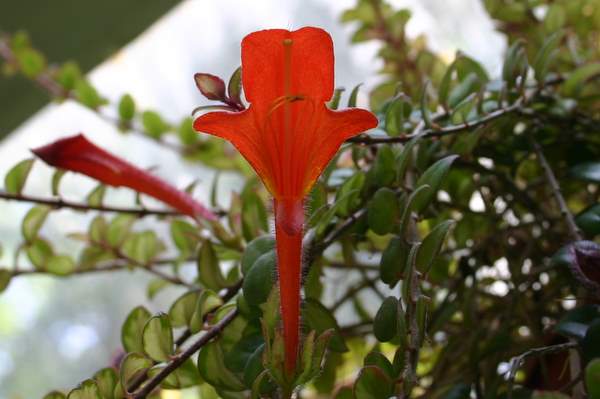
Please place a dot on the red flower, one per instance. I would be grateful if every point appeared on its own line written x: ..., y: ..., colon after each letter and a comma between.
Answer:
x: 77, y: 154
x: 288, y: 135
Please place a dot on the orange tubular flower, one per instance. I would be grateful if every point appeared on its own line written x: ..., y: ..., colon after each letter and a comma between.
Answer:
x: 77, y: 154
x: 288, y: 135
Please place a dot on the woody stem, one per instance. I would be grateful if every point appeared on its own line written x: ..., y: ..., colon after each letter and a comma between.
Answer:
x: 289, y: 218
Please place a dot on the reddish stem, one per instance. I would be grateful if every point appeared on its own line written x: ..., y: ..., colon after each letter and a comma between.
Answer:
x: 289, y: 218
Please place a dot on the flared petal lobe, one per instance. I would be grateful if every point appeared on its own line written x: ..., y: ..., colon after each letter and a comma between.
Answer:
x: 77, y: 154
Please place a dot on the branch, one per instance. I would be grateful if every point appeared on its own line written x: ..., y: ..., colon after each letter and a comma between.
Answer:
x: 60, y: 203
x: 574, y: 231
x: 178, y: 360
x: 444, y: 131
x: 516, y: 362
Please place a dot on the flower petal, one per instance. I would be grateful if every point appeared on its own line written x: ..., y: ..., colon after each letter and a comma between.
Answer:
x: 265, y: 74
x: 335, y: 128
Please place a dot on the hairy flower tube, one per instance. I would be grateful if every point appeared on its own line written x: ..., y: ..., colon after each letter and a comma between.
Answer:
x: 288, y: 135
x: 78, y: 154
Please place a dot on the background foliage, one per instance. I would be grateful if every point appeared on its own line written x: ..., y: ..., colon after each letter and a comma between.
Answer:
x: 470, y: 213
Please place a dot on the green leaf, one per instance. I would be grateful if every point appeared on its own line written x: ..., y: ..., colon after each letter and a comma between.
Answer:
x: 589, y: 220
x: 378, y: 359
x: 259, y: 279
x: 372, y: 383
x: 409, y: 206
x: 55, y: 395
x: 432, y: 245
x: 126, y: 107
x: 61, y: 265
x: 592, y: 379
x: 131, y: 332
x: 185, y: 236
x: 96, y: 196
x: 31, y: 62
x: 211, y: 364
x: 458, y: 391
x: 209, y: 270
x: 68, y: 75
x: 546, y: 55
x: 186, y: 132
x: 385, y: 322
x: 397, y: 112
x: 86, y: 390
x: 234, y: 87
x: 154, y: 125
x: 119, y: 229
x: 514, y: 63
x: 589, y: 171
x: 33, y: 221
x: 382, y: 211
x: 15, y: 179
x: 207, y: 302
x: 88, y: 95
x: 353, y: 96
x: 347, y: 197
x: 155, y: 286
x: 575, y: 83
x: 319, y: 318
x: 133, y: 365
x: 56, y: 179
x: 157, y: 338
x: 403, y: 159
x: 548, y: 395
x: 432, y: 177
x: 383, y: 172
x: 393, y: 261
x: 5, y: 276
x: 254, y: 250
x: 142, y: 247
x: 334, y: 103
x: 555, y: 18
x: 182, y: 309
x: 591, y: 342
x: 106, y: 380
x: 461, y: 91
x: 39, y: 252
x: 254, y: 214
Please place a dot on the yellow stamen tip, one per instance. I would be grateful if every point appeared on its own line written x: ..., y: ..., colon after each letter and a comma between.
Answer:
x: 287, y: 42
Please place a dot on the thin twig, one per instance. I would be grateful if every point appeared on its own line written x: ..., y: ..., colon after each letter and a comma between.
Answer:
x: 574, y: 231
x: 517, y: 361
x: 178, y: 360
x: 443, y: 131
x: 59, y: 203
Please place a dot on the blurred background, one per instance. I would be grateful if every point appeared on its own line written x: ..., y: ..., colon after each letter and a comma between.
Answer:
x: 55, y: 332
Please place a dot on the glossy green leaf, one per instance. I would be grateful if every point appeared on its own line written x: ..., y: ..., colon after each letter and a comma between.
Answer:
x: 353, y: 96
x: 131, y: 332
x: 403, y: 159
x: 385, y: 322
x: 56, y: 179
x: 209, y: 269
x: 382, y: 211
x: 234, y: 86
x: 207, y: 301
x: 55, y: 395
x: 334, y: 103
x: 96, y: 196
x: 157, y: 338
x: 373, y: 383
x: 254, y: 250
x: 589, y: 171
x: 393, y: 261
x: 15, y: 179
x: 88, y: 95
x: 546, y: 55
x: 119, y: 228
x: 39, y: 252
x: 589, y: 220
x: 211, y: 364
x: 319, y: 318
x: 432, y: 245
x: 433, y: 177
x: 259, y: 279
